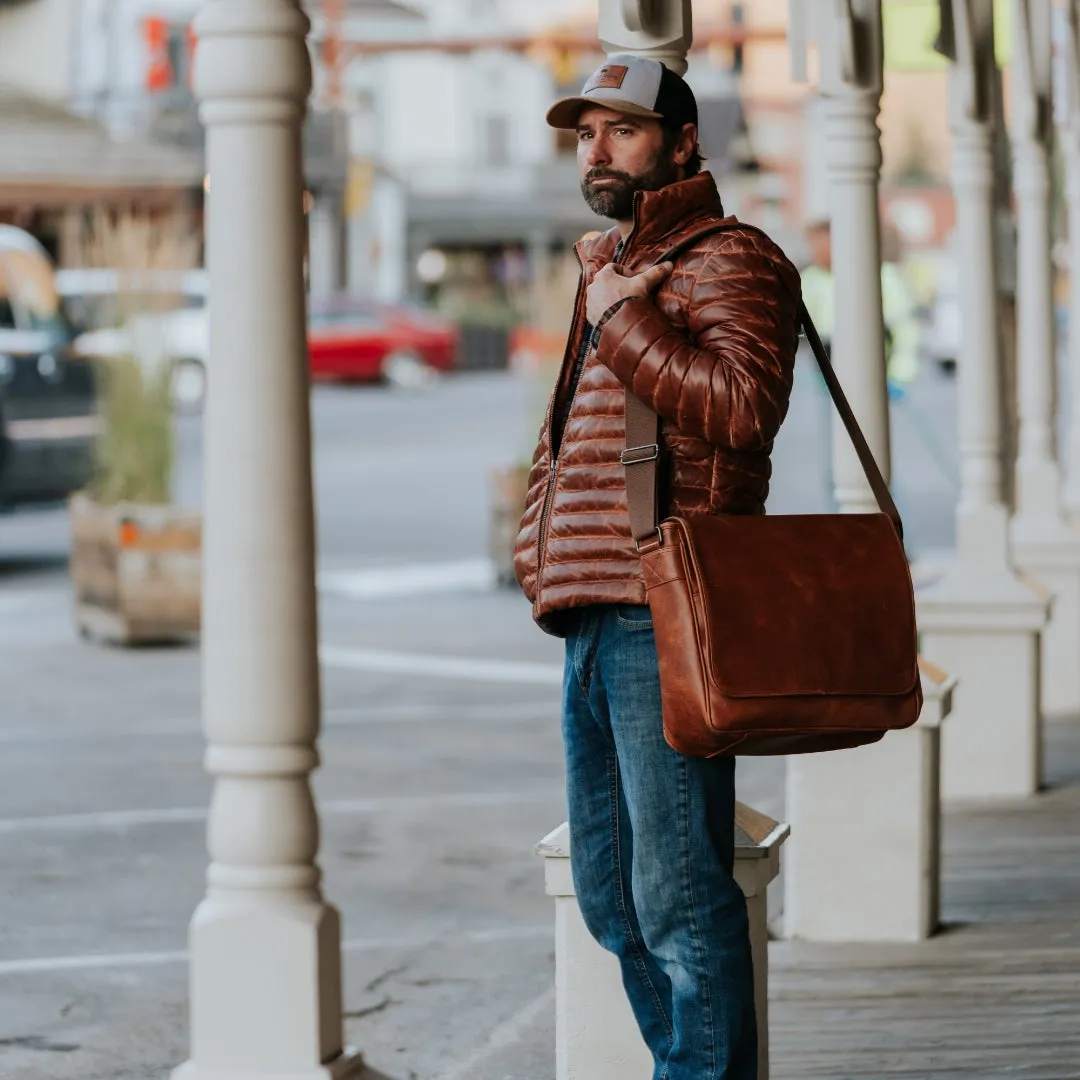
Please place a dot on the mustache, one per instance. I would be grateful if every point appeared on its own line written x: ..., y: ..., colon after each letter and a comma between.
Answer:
x: 606, y: 174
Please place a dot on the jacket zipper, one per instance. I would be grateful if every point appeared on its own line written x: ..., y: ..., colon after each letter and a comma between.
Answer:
x: 553, y: 465
x: 553, y: 462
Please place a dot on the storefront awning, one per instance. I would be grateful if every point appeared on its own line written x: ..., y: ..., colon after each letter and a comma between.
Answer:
x: 51, y: 156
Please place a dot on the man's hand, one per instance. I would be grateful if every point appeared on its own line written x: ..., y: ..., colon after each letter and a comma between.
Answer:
x: 612, y: 284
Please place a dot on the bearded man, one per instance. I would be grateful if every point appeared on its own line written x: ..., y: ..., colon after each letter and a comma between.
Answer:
x: 708, y: 342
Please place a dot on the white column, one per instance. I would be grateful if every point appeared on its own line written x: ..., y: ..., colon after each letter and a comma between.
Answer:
x: 874, y: 874
x: 980, y: 622
x: 659, y: 29
x: 265, y: 950
x: 1070, y: 143
x: 1044, y: 545
x: 596, y: 1036
x: 851, y: 52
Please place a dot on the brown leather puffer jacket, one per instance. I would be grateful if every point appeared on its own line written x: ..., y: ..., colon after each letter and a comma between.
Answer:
x: 712, y: 353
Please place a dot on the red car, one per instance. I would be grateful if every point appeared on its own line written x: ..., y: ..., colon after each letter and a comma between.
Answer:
x: 356, y: 340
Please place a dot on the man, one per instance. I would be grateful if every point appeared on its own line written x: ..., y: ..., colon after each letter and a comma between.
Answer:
x: 709, y: 343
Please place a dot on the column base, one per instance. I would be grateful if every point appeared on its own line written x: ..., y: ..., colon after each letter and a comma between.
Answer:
x: 984, y: 628
x: 1052, y: 562
x: 348, y: 1065
x: 265, y: 977
x: 871, y: 876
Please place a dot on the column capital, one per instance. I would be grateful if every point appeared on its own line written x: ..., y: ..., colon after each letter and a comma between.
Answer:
x: 967, y: 39
x: 252, y: 62
x: 1070, y: 117
x: 1032, y: 78
x: 849, y: 37
x: 659, y: 29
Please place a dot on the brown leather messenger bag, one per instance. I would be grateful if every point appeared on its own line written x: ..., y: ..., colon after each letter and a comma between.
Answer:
x: 783, y: 634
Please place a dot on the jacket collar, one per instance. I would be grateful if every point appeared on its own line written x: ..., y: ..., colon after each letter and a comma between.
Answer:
x: 660, y: 217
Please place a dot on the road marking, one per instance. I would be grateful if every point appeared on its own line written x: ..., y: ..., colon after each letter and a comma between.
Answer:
x: 442, y: 667
x: 126, y: 819
x: 354, y: 716
x: 509, y: 1033
x: 448, y: 934
x: 410, y: 579
x: 486, y: 712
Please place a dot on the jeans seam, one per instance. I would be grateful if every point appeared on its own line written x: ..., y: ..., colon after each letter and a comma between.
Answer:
x: 684, y: 839
x: 620, y: 897
x: 587, y: 644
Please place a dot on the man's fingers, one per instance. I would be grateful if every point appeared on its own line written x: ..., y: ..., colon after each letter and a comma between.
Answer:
x: 654, y: 275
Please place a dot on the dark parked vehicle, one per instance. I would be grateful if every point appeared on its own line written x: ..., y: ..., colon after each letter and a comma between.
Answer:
x: 48, y: 404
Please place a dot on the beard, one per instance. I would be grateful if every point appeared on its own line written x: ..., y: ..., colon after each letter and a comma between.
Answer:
x: 616, y: 200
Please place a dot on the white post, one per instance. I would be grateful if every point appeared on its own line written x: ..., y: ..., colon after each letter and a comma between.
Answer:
x: 1070, y: 140
x: 849, y: 38
x: 1044, y: 545
x: 265, y: 949
x: 865, y: 863
x: 596, y: 1036
x: 980, y: 622
x: 659, y: 29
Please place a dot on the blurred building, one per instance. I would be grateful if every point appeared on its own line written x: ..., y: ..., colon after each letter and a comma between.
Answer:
x: 58, y: 159
x: 429, y: 168
x: 456, y: 184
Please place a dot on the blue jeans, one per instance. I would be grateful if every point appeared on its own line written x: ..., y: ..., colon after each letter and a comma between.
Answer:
x: 651, y: 850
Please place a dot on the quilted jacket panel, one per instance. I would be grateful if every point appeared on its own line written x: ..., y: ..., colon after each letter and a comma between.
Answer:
x: 712, y: 352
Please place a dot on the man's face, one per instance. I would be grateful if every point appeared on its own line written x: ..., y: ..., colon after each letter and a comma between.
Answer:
x: 619, y: 155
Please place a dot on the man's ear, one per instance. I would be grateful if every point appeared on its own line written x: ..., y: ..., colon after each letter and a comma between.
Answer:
x: 684, y: 147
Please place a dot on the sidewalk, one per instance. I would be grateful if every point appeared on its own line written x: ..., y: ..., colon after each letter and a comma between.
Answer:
x: 996, y: 994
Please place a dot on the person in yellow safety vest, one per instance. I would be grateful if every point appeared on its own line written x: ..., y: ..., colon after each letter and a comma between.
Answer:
x: 902, y: 330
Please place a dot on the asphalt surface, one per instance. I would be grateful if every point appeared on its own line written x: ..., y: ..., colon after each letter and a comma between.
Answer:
x: 441, y: 754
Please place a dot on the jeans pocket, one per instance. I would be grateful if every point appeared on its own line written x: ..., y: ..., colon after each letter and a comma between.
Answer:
x: 633, y: 616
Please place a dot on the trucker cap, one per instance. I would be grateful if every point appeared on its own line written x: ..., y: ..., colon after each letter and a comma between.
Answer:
x: 634, y: 85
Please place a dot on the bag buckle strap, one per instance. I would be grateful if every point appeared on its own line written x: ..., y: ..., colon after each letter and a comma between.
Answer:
x: 638, y: 455
x: 650, y: 543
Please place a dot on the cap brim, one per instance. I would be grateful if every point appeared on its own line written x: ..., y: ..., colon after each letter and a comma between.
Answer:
x: 565, y: 113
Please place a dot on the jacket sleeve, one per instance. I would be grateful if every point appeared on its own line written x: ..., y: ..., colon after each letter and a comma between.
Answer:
x: 728, y: 380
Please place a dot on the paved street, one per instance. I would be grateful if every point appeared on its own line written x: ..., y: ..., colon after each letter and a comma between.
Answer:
x: 441, y: 756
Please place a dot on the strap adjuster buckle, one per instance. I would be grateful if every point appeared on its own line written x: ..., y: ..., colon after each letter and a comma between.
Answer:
x: 650, y: 543
x: 638, y: 455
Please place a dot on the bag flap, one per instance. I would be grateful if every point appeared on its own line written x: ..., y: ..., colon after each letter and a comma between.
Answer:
x: 804, y: 604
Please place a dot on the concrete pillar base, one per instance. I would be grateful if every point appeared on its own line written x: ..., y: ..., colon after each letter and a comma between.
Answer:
x: 864, y: 864
x: 289, y: 1027
x: 596, y: 1036
x: 1054, y: 568
x: 985, y: 630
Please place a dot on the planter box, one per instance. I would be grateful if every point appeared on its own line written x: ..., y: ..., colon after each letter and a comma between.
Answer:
x: 137, y: 572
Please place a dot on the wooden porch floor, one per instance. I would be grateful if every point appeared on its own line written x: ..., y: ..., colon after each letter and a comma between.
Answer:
x: 996, y: 994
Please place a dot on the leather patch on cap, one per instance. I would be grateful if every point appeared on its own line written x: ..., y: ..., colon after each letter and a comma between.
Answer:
x: 609, y: 77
